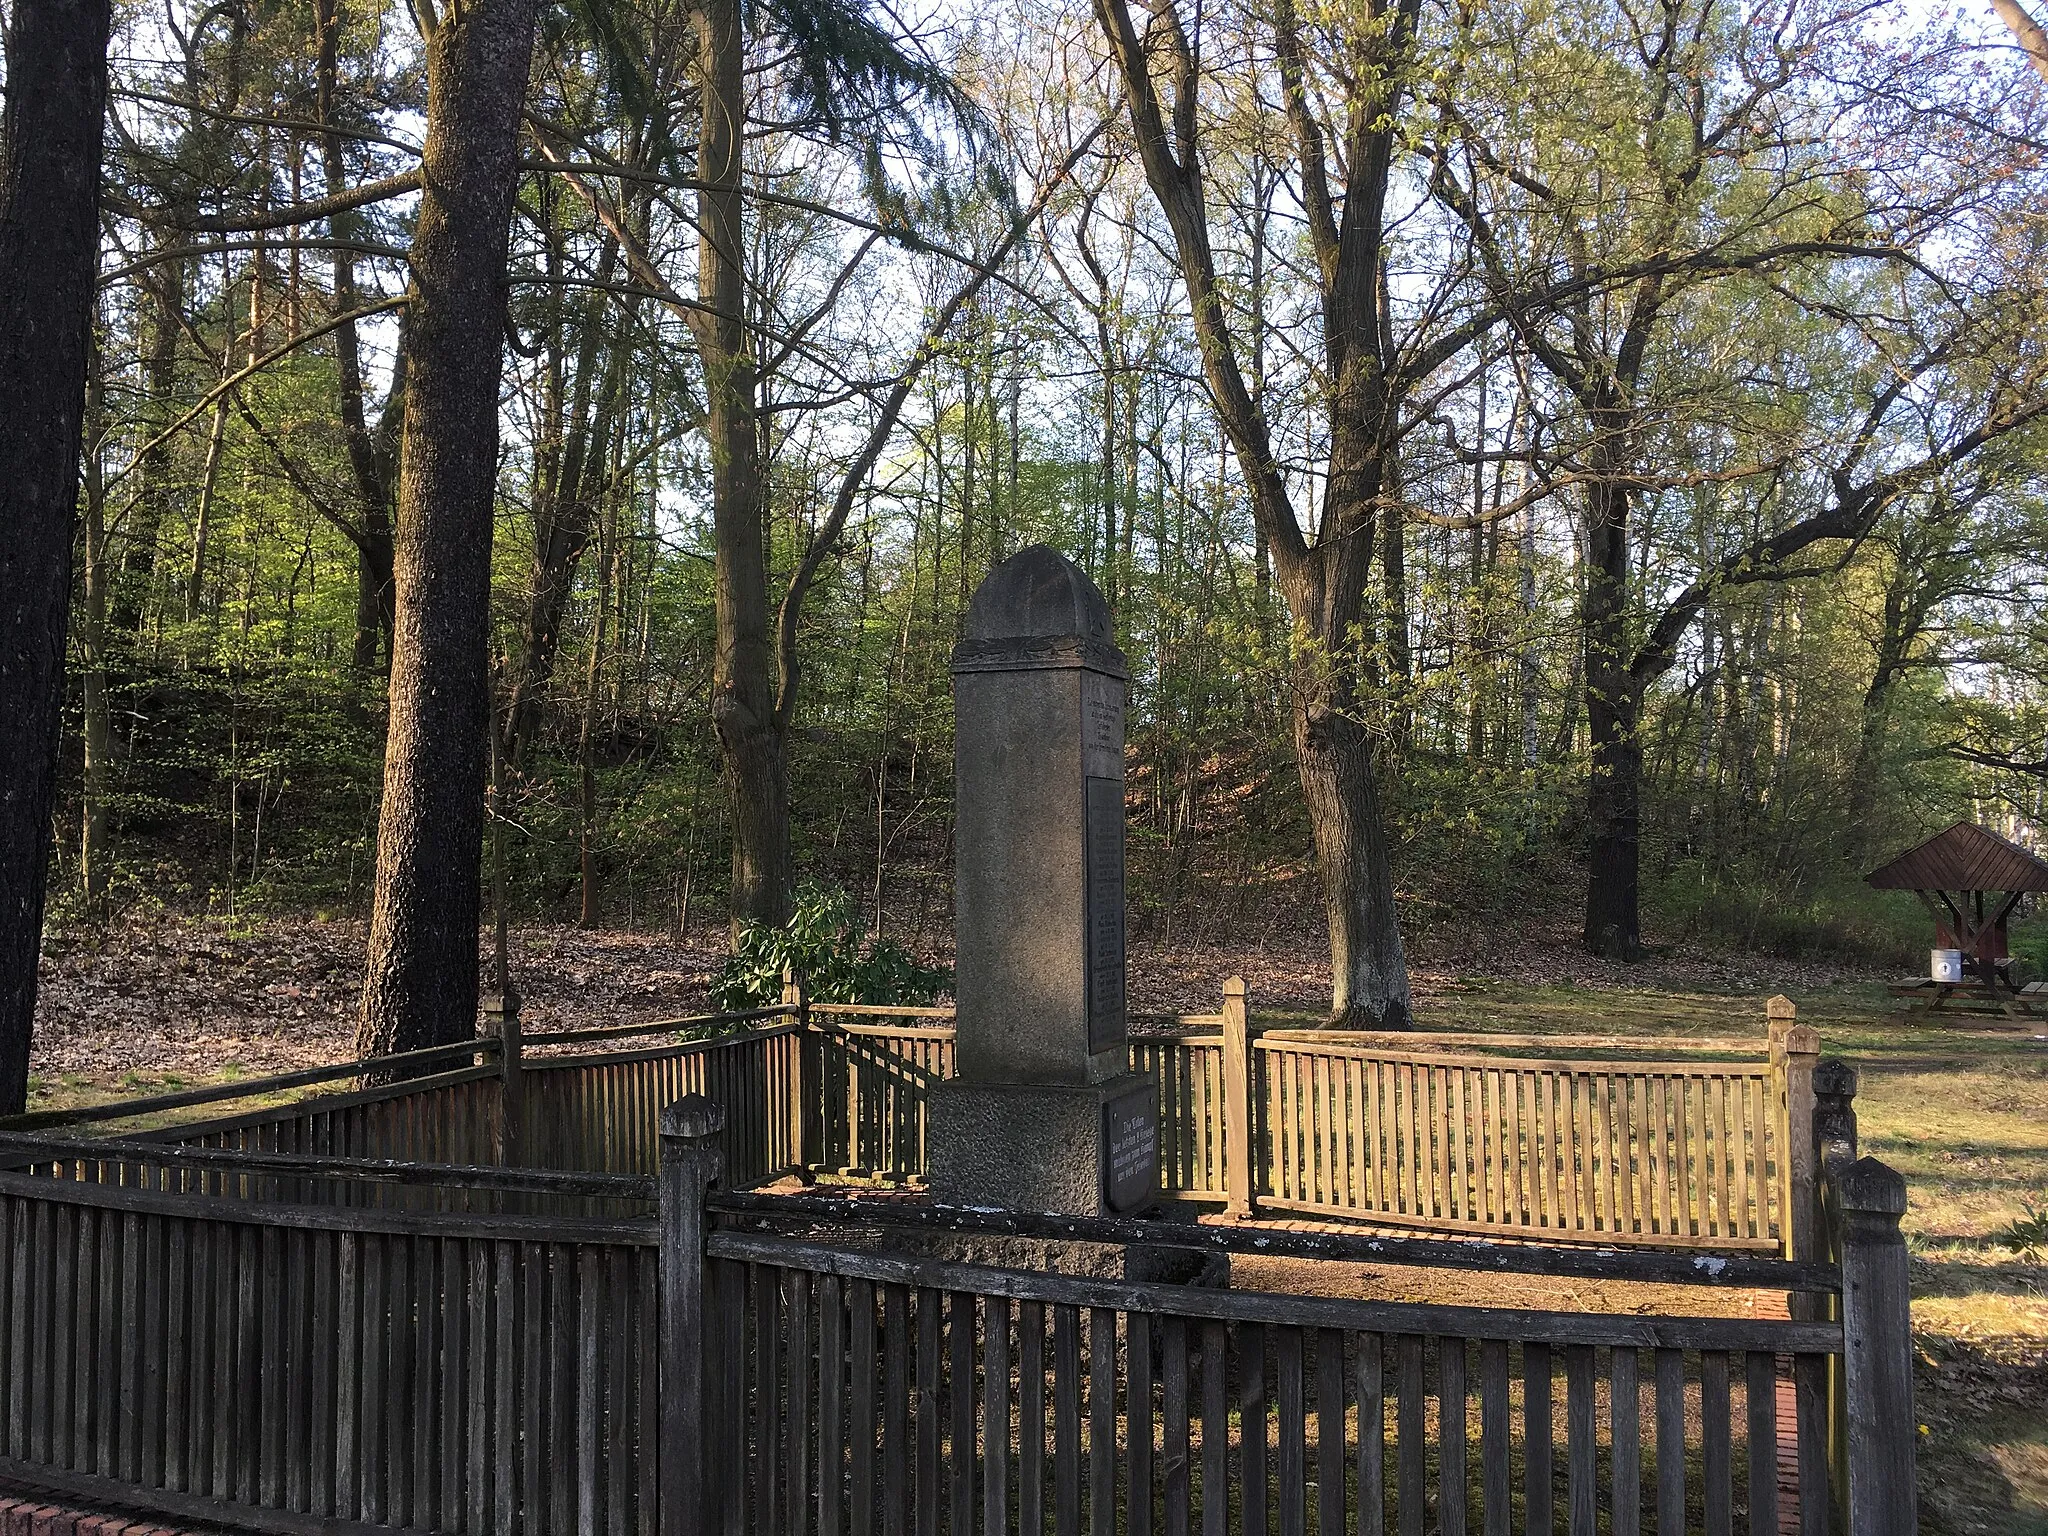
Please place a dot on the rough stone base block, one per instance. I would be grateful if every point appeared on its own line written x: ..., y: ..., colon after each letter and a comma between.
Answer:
x: 1089, y: 1150
x: 1158, y: 1263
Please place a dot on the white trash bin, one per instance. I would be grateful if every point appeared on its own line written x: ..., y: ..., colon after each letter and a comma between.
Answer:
x: 1946, y: 964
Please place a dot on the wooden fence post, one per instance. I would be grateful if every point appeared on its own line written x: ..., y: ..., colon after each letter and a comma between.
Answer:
x: 1877, y: 1352
x: 1801, y: 1151
x: 1834, y: 1110
x: 501, y: 1012
x: 802, y: 1104
x: 1238, y: 1152
x: 691, y: 1160
x: 1796, y: 1051
x: 1834, y: 1133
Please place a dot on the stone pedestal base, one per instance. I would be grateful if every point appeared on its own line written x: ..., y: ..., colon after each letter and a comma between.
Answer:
x: 1089, y: 1150
x: 1159, y: 1262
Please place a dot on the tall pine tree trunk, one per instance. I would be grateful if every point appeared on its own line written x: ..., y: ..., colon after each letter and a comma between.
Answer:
x: 49, y: 240
x: 420, y: 986
x: 743, y: 712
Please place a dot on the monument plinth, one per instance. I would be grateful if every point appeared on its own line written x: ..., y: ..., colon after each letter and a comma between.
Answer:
x: 1044, y: 1113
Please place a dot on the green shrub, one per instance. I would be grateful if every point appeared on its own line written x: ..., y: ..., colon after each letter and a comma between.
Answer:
x: 821, y: 942
x: 2027, y: 1234
x: 1753, y: 909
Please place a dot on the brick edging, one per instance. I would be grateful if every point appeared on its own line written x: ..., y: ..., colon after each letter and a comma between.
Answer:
x: 28, y: 1514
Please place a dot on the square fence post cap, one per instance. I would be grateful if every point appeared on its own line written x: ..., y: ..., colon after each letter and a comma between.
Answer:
x: 693, y: 1117
x: 1868, y: 1185
x: 1780, y: 1007
x: 1836, y: 1077
x: 1802, y: 1040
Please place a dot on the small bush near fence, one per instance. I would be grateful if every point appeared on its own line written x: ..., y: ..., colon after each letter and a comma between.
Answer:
x: 822, y: 944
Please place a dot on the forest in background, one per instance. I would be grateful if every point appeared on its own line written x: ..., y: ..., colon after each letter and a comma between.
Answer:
x: 1657, y: 383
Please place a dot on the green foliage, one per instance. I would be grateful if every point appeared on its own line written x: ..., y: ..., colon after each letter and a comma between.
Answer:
x: 822, y: 944
x: 1756, y: 908
x: 2027, y: 1233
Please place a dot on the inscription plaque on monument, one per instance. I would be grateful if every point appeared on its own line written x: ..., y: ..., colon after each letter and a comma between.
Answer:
x: 1102, y: 727
x: 1130, y: 1141
x: 1106, y: 1027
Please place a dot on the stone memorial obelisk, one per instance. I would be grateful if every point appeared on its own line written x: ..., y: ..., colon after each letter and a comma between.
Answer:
x: 1044, y: 1113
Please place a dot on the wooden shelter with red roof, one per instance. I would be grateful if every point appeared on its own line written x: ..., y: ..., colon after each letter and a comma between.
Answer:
x: 1971, y: 880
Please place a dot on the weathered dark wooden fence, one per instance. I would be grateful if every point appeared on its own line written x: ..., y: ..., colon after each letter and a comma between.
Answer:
x: 862, y: 1385
x: 295, y: 1367
x: 268, y: 1322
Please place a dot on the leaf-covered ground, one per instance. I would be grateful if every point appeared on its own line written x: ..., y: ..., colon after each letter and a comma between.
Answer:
x: 1961, y: 1109
x: 195, y: 996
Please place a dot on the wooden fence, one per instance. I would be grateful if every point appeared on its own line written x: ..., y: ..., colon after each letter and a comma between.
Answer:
x: 323, y: 1368
x: 214, y: 1334
x: 867, y: 1086
x: 1451, y: 1134
x: 1461, y: 1134
x: 583, y: 1112
x: 1637, y: 1152
x: 867, y: 1386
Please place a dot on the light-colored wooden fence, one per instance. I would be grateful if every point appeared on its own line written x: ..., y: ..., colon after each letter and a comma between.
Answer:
x: 585, y: 1112
x: 1187, y: 1064
x: 1638, y: 1144
x: 1638, y: 1152
x: 1697, y: 1146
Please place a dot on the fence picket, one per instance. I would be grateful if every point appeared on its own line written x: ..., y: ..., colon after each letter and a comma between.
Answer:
x: 1215, y: 1430
x: 1625, y: 1477
x: 1450, y: 1417
x: 995, y: 1485
x: 1496, y: 1437
x: 930, y: 1372
x: 1102, y: 1420
x: 1537, y: 1470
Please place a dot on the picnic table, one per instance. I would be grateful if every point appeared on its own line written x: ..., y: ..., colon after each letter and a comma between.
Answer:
x: 1973, y: 995
x: 1971, y: 881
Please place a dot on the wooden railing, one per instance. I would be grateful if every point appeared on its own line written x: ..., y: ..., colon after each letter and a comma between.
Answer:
x: 880, y: 1386
x: 1454, y: 1133
x: 303, y: 1368
x: 1706, y: 1149
x: 601, y: 1112
x: 1637, y: 1152
x: 868, y: 1384
x: 212, y: 1335
x: 1187, y: 1064
x: 592, y: 1112
x: 872, y: 1083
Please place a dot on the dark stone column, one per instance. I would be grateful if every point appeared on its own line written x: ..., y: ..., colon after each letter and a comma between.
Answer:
x: 1045, y: 1113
